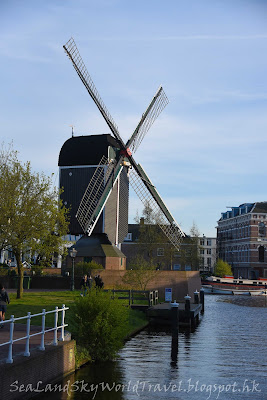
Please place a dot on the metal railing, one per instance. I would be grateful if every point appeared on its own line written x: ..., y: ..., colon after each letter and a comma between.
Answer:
x: 12, y: 321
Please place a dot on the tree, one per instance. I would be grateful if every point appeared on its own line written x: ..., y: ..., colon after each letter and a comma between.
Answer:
x: 140, y: 274
x: 84, y: 267
x: 33, y: 219
x: 222, y: 268
x: 150, y: 235
x: 190, y: 249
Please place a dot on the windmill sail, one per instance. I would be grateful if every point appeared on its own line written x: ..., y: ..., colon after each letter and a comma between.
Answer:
x: 102, y: 183
x: 97, y: 194
x: 148, y: 194
x: 78, y: 64
x: 155, y: 107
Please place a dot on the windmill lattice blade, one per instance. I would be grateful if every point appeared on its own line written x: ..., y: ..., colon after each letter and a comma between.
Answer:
x: 93, y: 193
x: 77, y: 61
x: 171, y: 229
x: 156, y: 106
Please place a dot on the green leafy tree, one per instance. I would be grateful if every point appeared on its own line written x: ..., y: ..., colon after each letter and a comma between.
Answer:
x: 222, y: 268
x: 141, y: 272
x: 33, y: 220
x: 99, y: 324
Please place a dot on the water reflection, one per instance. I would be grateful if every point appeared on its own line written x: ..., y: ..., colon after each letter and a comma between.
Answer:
x: 223, y: 358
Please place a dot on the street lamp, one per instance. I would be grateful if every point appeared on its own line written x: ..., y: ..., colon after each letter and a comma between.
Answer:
x: 73, y: 253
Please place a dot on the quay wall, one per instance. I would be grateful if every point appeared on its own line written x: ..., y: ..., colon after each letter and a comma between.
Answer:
x: 181, y: 282
x: 19, y: 379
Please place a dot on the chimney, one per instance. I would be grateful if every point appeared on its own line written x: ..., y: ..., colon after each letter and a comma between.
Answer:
x: 142, y: 221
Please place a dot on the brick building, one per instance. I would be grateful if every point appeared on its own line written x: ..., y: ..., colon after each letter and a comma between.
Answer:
x: 242, y: 239
x: 194, y: 253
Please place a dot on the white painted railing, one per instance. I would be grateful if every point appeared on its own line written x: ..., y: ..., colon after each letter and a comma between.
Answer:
x: 12, y: 321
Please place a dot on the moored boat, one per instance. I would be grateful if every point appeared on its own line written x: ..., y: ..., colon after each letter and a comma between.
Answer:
x: 211, y: 289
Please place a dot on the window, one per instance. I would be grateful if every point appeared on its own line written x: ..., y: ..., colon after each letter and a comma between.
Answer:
x: 209, y: 261
x: 202, y: 251
x: 261, y: 229
x: 128, y: 238
x: 208, y: 242
x: 177, y: 267
x: 261, y: 254
x: 201, y: 242
x: 208, y: 251
x: 176, y: 253
x: 160, y: 252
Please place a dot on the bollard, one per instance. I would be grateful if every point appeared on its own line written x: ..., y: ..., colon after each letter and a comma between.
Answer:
x: 187, y: 303
x: 202, y: 299
x: 175, y: 329
x: 187, y: 308
x: 196, y: 297
x: 175, y: 315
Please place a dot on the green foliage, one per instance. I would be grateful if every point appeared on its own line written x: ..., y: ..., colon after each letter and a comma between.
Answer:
x: 99, y: 324
x: 31, y: 215
x: 82, y: 356
x: 82, y: 267
x: 140, y: 274
x: 222, y: 268
x: 3, y: 271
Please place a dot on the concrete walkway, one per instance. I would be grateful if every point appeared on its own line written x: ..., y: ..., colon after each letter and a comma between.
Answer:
x: 18, y: 348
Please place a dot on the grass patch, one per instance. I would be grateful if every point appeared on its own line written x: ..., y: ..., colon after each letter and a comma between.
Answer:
x: 35, y: 302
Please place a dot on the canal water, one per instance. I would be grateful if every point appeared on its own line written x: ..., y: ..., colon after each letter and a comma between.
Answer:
x: 225, y: 358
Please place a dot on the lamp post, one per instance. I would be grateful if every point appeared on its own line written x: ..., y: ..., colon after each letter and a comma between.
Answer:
x: 73, y: 253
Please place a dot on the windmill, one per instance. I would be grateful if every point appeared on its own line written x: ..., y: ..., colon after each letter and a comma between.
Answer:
x: 108, y: 171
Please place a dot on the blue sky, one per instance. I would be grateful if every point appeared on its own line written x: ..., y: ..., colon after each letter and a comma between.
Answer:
x: 206, y: 151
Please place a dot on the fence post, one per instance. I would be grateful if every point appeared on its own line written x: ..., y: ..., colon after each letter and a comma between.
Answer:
x: 202, y: 299
x: 42, y: 346
x: 27, y: 346
x: 130, y: 297
x: 150, y: 298
x: 10, y: 359
x: 62, y: 323
x: 55, y: 327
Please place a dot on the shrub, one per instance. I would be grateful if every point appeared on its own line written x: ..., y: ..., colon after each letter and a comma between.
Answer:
x: 99, y: 324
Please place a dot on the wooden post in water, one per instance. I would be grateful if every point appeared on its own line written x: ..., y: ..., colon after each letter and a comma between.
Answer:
x: 175, y: 329
x: 202, y: 300
x: 187, y: 308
